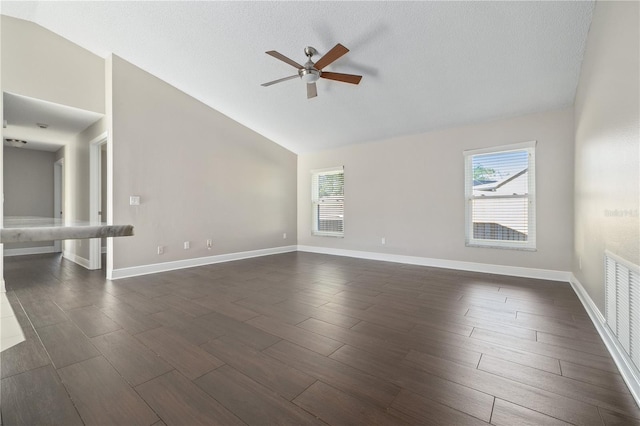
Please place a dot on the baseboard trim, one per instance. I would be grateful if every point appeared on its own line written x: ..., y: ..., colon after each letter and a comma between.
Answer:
x: 76, y: 259
x: 28, y: 250
x: 515, y: 271
x: 199, y: 261
x: 628, y: 371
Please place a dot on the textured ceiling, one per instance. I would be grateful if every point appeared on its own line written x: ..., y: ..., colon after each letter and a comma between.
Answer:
x: 425, y: 65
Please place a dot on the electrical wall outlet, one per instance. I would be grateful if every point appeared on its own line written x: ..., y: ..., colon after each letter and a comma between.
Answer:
x: 209, y: 244
x: 383, y: 241
x: 284, y: 236
x: 160, y: 250
x: 134, y: 200
x: 187, y: 245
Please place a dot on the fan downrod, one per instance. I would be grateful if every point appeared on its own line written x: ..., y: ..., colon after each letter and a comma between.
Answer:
x: 310, y: 51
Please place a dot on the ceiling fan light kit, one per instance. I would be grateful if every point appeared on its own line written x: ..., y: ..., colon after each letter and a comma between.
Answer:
x: 311, y: 72
x: 309, y: 75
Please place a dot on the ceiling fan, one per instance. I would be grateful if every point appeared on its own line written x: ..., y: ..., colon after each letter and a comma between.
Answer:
x: 310, y: 72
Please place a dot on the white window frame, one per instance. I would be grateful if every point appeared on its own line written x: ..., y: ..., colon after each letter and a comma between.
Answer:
x: 317, y: 201
x: 470, y: 241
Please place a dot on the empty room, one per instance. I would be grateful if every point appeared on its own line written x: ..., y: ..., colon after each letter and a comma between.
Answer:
x: 331, y: 213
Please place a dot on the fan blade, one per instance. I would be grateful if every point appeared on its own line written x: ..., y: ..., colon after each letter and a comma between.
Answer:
x: 345, y: 78
x: 284, y: 58
x: 337, y: 51
x: 312, y: 90
x: 280, y: 80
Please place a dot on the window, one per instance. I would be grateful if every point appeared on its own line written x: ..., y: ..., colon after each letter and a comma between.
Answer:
x: 500, y: 197
x: 327, y: 197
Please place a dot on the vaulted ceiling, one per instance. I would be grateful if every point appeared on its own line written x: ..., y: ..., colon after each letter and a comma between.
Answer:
x: 425, y: 65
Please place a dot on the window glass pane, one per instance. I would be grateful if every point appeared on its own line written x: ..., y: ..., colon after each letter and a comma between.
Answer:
x: 500, y: 173
x: 327, y: 188
x: 330, y: 218
x: 331, y: 185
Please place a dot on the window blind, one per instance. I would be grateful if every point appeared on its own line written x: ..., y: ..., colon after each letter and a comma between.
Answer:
x: 500, y: 196
x: 327, y: 197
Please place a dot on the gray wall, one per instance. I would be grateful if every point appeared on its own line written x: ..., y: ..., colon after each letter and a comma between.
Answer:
x: 199, y: 174
x: 28, y: 186
x: 607, y: 139
x: 410, y: 190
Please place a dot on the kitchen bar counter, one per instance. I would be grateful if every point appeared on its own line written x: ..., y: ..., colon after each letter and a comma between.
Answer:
x: 19, y: 229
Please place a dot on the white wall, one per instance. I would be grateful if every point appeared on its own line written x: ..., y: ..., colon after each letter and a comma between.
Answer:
x: 199, y: 174
x: 2, y: 283
x: 28, y: 186
x: 410, y: 190
x: 607, y: 139
x: 40, y: 64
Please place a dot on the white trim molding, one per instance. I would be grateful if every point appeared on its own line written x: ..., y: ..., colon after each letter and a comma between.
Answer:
x: 516, y: 271
x: 29, y: 250
x: 625, y: 365
x: 76, y: 259
x: 95, y: 258
x: 198, y: 261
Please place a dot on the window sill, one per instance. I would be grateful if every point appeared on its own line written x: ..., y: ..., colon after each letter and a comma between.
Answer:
x: 501, y: 247
x: 326, y: 234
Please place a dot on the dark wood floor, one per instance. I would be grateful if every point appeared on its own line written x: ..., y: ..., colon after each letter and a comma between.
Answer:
x: 303, y: 338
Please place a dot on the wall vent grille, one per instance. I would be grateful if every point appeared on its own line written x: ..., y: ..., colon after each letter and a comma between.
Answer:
x: 622, y: 310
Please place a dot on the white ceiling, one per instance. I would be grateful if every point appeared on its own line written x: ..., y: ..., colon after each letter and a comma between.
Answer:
x: 64, y: 122
x: 425, y: 65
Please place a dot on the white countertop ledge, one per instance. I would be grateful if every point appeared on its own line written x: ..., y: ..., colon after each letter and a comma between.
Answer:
x: 18, y: 229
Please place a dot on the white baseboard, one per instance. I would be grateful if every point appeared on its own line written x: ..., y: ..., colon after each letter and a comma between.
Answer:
x: 76, y: 259
x: 515, y: 271
x: 29, y: 250
x: 629, y: 372
x: 199, y: 261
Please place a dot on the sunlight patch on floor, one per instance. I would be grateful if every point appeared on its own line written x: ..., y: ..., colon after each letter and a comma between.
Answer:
x: 10, y: 331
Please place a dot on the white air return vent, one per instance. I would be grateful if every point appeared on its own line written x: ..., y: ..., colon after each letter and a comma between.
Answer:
x: 622, y: 311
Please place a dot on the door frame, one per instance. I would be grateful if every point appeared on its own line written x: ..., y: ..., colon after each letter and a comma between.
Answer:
x: 95, y: 185
x: 58, y: 197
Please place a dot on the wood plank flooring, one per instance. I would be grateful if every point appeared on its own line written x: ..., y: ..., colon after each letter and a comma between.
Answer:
x: 303, y: 338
